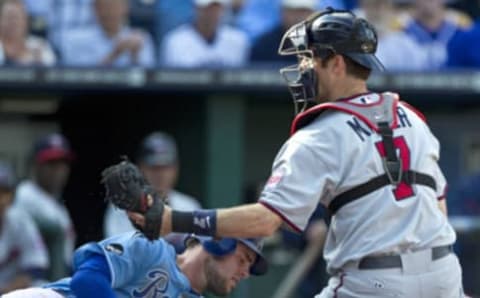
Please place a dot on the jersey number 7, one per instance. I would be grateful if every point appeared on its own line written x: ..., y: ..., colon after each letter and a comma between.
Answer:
x: 402, y: 190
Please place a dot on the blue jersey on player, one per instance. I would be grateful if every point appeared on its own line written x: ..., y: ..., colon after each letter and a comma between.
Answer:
x: 138, y: 267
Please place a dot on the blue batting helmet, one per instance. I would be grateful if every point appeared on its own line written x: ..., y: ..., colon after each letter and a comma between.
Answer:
x: 226, y: 246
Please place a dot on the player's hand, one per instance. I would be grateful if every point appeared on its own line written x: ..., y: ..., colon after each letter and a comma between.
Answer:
x: 127, y: 189
x: 138, y: 220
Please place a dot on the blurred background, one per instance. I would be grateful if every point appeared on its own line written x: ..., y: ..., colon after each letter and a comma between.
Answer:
x: 84, y: 82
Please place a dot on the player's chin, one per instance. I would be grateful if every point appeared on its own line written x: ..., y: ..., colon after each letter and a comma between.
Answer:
x: 223, y: 289
x: 230, y: 286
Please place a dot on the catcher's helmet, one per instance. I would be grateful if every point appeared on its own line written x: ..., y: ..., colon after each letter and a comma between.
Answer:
x: 226, y: 246
x: 322, y: 34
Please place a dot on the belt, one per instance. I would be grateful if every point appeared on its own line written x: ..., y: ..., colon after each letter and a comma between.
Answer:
x: 385, y: 262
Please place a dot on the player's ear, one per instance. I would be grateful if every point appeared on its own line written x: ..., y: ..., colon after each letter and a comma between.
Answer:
x: 338, y: 65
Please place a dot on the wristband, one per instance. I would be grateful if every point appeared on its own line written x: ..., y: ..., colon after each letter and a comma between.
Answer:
x: 200, y: 222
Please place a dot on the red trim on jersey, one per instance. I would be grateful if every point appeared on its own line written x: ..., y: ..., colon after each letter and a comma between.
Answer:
x: 310, y: 114
x: 413, y: 109
x: 284, y: 218
x: 335, y: 291
x: 444, y: 195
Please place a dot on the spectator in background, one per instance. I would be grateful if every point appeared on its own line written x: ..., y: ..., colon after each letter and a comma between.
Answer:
x: 464, y: 48
x: 258, y: 16
x: 206, y: 42
x: 171, y: 15
x: 265, y: 48
x: 54, y: 18
x: 18, y: 47
x: 110, y: 42
x: 41, y: 197
x: 382, y: 15
x: 23, y: 257
x: 432, y: 26
x: 157, y: 159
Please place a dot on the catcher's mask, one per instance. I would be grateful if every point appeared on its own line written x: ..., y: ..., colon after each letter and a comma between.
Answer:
x: 321, y: 35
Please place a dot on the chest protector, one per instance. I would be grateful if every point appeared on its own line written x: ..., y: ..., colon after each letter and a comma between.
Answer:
x: 381, y: 116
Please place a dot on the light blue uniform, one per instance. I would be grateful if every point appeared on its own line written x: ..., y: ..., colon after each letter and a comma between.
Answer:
x: 138, y: 267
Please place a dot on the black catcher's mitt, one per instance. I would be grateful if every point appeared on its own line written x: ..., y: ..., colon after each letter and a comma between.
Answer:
x: 127, y: 189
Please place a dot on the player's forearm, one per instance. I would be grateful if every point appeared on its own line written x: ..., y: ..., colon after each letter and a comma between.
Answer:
x: 253, y: 220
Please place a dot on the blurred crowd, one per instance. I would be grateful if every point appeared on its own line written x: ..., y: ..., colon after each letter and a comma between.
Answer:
x: 415, y: 35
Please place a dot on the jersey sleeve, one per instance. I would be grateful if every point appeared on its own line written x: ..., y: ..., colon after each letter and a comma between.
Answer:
x: 440, y: 180
x: 437, y: 173
x: 33, y: 252
x: 296, y: 184
x: 131, y: 256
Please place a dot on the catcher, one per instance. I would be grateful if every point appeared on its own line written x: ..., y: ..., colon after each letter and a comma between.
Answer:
x: 368, y: 157
x: 129, y: 265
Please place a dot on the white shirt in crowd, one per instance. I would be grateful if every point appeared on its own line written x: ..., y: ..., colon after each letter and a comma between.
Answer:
x: 21, y: 246
x: 185, y: 47
x: 398, y: 52
x: 117, y: 222
x: 61, y: 16
x: 43, y: 207
x: 89, y: 46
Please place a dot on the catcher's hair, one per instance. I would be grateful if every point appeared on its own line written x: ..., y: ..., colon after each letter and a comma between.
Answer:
x: 353, y: 68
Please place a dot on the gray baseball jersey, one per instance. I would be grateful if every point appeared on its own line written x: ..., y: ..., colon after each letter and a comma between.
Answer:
x: 336, y: 152
x: 48, y: 210
x: 21, y: 247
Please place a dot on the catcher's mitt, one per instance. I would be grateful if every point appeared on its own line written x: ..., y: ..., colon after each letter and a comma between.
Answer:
x: 127, y: 189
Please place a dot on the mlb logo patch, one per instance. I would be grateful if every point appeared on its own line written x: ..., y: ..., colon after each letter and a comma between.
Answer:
x: 275, y: 178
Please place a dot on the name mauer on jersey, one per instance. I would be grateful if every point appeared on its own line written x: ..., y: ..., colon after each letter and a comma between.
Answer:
x: 363, y: 130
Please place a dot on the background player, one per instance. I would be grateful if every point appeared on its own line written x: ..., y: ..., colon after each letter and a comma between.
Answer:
x: 389, y: 234
x: 42, y: 198
x: 129, y: 265
x: 23, y: 257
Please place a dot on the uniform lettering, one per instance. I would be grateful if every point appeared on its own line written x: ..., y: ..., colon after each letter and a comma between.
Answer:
x: 403, y: 118
x: 359, y: 128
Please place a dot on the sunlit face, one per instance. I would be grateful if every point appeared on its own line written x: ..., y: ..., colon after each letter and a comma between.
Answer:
x: 111, y: 14
x: 223, y: 274
x: 13, y: 20
x: 429, y: 6
x: 210, y: 15
x: 162, y: 178
x: 292, y: 16
x: 375, y: 10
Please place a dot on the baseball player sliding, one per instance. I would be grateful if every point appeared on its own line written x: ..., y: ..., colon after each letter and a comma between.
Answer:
x: 368, y: 157
x: 129, y: 265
